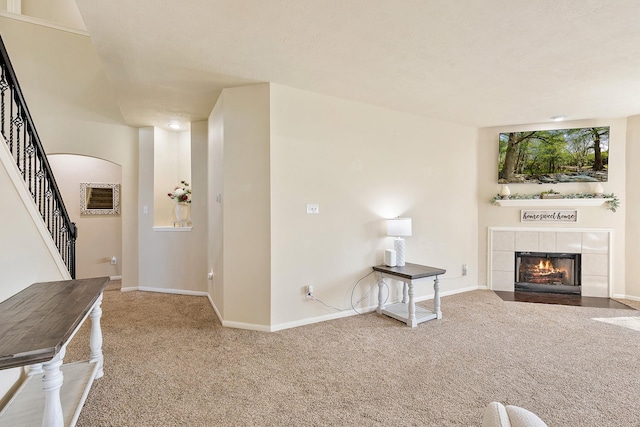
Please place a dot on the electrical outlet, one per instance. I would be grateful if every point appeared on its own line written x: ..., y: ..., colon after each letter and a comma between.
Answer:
x: 114, y: 261
x: 465, y: 270
x: 313, y: 208
x: 309, y: 291
x: 210, y: 275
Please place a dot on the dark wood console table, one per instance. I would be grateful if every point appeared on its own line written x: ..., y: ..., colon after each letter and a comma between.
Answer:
x: 36, y: 325
x: 406, y: 311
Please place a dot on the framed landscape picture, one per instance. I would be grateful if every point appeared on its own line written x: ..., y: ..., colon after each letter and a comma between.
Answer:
x: 553, y: 156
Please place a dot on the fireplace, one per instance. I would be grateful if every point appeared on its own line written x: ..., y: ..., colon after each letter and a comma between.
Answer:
x: 593, y: 245
x: 548, y: 272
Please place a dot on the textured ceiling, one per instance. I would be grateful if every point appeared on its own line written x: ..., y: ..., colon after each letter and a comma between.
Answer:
x: 480, y: 63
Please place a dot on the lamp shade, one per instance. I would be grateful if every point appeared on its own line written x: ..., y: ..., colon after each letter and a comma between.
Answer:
x: 399, y: 227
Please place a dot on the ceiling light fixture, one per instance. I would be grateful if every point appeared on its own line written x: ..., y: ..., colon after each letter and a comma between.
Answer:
x: 558, y: 118
x: 175, y: 126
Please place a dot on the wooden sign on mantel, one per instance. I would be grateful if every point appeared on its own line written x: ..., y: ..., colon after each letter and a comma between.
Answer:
x: 549, y: 216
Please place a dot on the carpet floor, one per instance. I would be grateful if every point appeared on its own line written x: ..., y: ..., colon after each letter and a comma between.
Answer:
x: 169, y: 362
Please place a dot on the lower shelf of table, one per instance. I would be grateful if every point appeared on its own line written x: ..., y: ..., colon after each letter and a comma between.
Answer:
x: 26, y: 408
x: 400, y: 311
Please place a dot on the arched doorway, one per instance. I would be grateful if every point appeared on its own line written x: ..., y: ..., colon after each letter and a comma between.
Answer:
x: 99, y: 236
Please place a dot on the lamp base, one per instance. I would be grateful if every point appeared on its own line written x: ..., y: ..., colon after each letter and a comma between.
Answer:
x: 398, y: 246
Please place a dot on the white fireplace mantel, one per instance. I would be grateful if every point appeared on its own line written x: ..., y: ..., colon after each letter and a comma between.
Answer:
x: 552, y: 202
x: 593, y: 243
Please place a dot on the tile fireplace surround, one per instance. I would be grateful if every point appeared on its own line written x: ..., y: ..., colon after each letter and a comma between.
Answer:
x: 593, y: 244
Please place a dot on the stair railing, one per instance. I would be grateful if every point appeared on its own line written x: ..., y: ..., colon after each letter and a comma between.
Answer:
x: 26, y: 149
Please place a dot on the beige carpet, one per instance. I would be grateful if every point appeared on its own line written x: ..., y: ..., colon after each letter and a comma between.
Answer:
x: 168, y: 362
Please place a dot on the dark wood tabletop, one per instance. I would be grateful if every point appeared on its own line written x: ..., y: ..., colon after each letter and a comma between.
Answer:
x: 410, y: 271
x: 36, y: 322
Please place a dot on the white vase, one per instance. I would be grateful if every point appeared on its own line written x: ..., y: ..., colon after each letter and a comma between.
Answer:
x: 182, y: 211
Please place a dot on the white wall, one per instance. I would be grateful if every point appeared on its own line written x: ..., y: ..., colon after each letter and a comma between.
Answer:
x: 99, y: 236
x: 29, y: 254
x: 363, y: 164
x: 199, y: 185
x: 594, y: 217
x: 171, y: 260
x: 63, y: 12
x: 26, y: 258
x: 215, y: 197
x: 632, y: 206
x: 75, y: 111
x: 273, y: 149
x: 243, y: 149
x: 172, y: 164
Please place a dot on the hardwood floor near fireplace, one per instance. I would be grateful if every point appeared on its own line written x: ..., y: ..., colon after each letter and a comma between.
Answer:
x: 562, y: 299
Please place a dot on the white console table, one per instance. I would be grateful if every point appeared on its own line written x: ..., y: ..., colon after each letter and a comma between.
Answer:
x: 407, y: 311
x: 36, y: 325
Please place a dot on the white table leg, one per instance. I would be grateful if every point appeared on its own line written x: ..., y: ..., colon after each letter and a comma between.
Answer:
x: 405, y: 293
x: 411, y: 318
x: 95, y: 341
x: 436, y: 298
x: 380, y: 296
x: 35, y: 369
x: 51, y: 384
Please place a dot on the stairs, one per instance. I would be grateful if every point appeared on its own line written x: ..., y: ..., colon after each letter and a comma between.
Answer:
x: 100, y: 198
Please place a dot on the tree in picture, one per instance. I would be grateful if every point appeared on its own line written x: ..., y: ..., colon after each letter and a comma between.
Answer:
x: 552, y: 156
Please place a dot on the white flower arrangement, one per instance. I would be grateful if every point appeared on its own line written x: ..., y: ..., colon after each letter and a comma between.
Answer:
x: 181, y: 193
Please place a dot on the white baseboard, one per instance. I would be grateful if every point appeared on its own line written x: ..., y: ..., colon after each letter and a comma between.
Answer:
x: 623, y: 296
x: 318, y: 319
x: 347, y: 313
x: 166, y: 291
x: 286, y: 325
x: 249, y: 326
x: 115, y: 277
x: 215, y: 308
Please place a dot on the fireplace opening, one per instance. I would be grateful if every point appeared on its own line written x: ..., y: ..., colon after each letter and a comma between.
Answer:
x: 557, y: 273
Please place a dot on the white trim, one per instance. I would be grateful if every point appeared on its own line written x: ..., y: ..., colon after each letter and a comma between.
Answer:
x: 14, y: 6
x: 623, y: 296
x: 43, y: 23
x: 15, y: 176
x: 173, y: 291
x: 562, y: 230
x: 347, y: 313
x: 214, y: 307
x: 164, y: 291
x: 169, y: 228
x: 115, y: 277
x: 248, y: 326
x: 318, y: 319
x: 286, y: 325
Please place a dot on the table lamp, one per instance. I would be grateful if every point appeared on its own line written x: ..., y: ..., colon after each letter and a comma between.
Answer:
x: 399, y: 228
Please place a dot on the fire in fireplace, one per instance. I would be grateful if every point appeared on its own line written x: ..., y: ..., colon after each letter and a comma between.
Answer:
x: 547, y: 272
